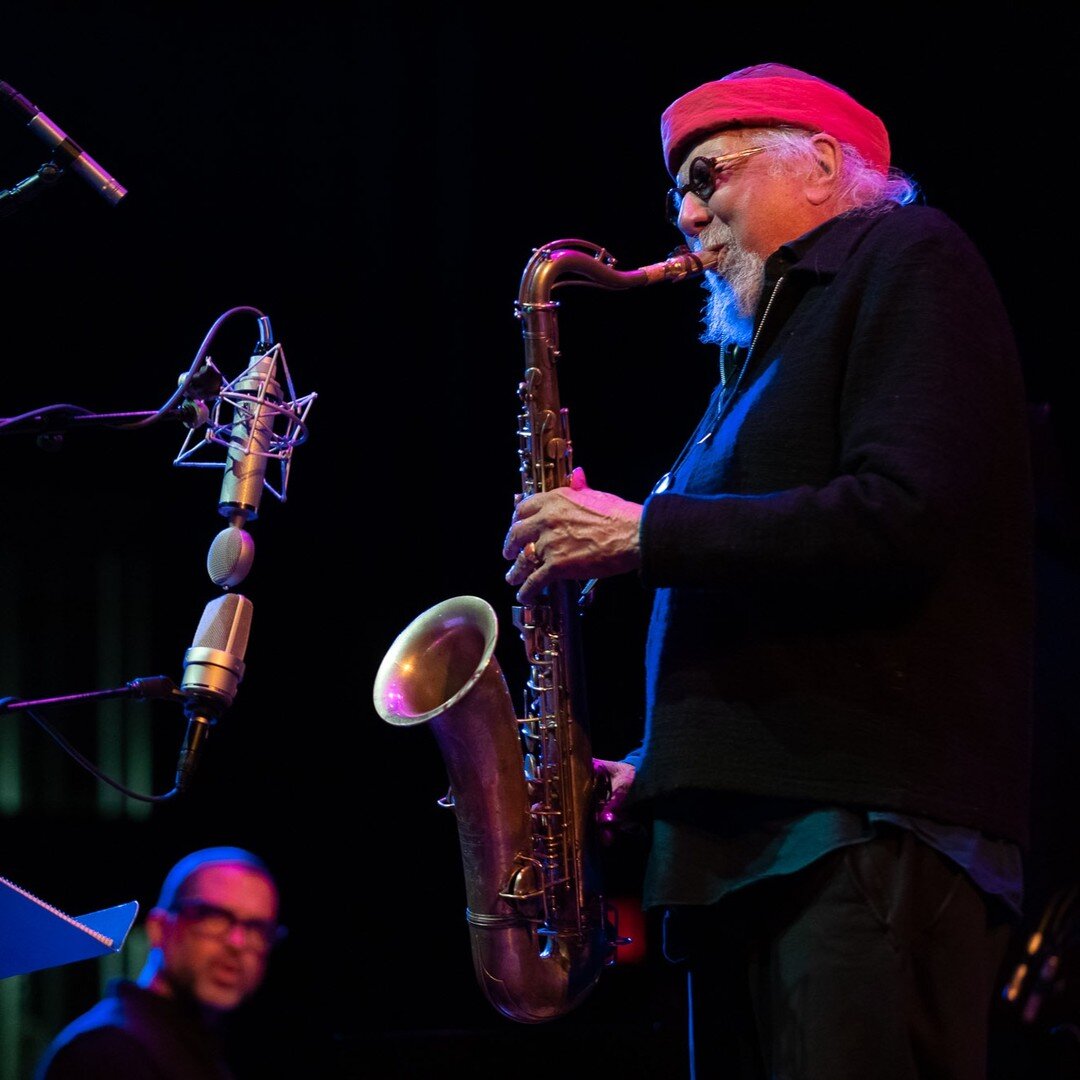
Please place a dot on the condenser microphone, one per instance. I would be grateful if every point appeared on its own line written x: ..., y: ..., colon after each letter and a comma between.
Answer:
x: 213, y: 669
x: 66, y: 147
x: 256, y: 398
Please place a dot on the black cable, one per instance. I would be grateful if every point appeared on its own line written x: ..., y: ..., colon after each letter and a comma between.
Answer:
x: 85, y: 762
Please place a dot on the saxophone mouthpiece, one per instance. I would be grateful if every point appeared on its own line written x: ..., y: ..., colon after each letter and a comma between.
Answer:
x: 680, y: 264
x: 708, y: 258
x: 703, y: 258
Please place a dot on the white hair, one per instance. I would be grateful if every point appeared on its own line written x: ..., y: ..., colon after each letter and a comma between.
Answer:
x: 861, y: 186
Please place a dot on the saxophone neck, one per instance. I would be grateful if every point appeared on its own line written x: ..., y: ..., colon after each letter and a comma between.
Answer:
x: 586, y: 263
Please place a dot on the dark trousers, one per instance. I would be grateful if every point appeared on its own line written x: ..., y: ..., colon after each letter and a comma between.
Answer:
x: 878, y: 962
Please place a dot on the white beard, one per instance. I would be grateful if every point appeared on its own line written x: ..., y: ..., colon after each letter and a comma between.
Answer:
x: 734, y: 290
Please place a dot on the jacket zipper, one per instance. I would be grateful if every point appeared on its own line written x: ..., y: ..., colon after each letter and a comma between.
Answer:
x: 725, y: 396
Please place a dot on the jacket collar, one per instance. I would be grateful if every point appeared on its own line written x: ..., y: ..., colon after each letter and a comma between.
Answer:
x: 823, y: 250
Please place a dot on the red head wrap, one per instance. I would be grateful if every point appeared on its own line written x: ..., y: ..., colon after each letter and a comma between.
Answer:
x: 766, y: 95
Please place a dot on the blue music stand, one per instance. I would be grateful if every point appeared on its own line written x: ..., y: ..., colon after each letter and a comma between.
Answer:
x: 35, y: 935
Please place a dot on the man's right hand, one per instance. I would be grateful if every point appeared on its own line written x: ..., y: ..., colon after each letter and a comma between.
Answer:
x: 615, y: 778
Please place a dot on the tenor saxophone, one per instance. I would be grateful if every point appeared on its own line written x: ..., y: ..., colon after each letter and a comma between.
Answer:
x: 523, y: 789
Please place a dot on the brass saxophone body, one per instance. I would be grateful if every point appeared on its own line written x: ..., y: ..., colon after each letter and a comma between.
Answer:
x: 523, y: 789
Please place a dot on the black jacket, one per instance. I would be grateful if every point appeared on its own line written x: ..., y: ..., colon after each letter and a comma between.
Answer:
x: 843, y: 568
x: 135, y: 1034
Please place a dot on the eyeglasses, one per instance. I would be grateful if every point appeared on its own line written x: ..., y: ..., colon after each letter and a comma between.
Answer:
x: 213, y: 921
x: 702, y: 178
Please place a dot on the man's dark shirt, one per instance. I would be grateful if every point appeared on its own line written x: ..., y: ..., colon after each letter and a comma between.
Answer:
x: 135, y: 1034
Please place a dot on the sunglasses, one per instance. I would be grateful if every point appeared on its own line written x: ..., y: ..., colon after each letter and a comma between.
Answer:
x: 701, y: 179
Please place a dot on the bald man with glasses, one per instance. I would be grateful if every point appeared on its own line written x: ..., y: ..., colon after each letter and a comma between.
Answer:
x: 211, y: 934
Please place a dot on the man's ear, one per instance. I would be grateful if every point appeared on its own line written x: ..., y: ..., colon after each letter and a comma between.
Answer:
x: 155, y: 926
x: 822, y: 183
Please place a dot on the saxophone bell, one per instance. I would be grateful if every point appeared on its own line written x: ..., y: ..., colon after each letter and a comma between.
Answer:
x: 441, y: 671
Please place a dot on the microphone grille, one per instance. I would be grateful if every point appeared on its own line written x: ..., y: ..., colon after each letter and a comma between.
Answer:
x: 225, y: 625
x: 230, y: 557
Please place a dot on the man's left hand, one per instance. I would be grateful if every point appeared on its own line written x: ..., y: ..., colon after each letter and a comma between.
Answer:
x: 571, y: 533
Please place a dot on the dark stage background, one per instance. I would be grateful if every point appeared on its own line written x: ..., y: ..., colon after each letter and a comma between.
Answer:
x: 374, y: 180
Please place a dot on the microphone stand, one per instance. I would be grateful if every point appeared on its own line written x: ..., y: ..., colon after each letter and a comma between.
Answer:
x: 43, y: 180
x: 52, y: 422
x: 150, y: 687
